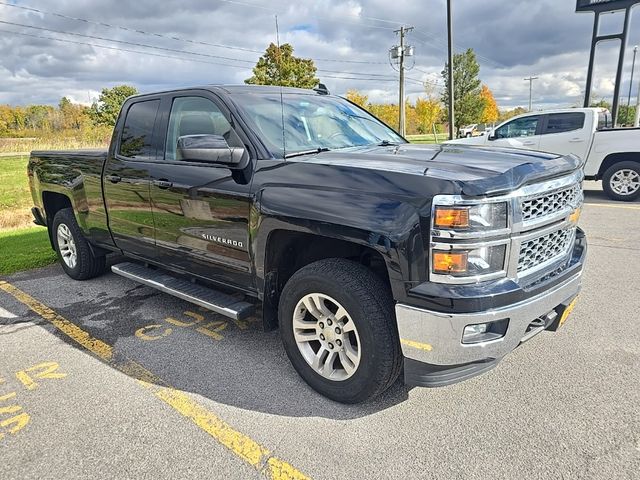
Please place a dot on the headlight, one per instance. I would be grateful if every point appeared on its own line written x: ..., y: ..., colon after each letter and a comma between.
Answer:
x: 469, y: 262
x: 481, y: 217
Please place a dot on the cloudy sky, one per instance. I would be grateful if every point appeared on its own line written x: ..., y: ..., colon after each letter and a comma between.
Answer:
x: 76, y: 47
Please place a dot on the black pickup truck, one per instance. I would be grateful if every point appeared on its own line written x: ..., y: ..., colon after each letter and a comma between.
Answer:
x: 371, y: 255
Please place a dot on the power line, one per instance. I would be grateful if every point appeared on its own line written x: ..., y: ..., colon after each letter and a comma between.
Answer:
x: 124, y: 42
x: 184, y: 59
x: 169, y: 37
x: 133, y: 30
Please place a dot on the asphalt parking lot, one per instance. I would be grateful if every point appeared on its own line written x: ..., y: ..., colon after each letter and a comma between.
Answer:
x: 110, y: 379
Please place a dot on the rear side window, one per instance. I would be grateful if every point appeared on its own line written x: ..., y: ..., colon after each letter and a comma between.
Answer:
x: 564, y: 122
x: 137, y: 133
x: 604, y: 120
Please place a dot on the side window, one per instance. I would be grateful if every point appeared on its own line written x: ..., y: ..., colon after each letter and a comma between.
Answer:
x: 196, y: 116
x: 563, y: 122
x: 522, y: 127
x: 604, y: 120
x: 137, y: 133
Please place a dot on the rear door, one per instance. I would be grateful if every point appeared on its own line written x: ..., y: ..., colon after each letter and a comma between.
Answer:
x: 126, y: 180
x: 523, y: 132
x: 565, y: 133
x: 200, y: 210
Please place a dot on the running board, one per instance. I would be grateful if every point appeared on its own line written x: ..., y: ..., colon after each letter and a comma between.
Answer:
x: 208, y: 298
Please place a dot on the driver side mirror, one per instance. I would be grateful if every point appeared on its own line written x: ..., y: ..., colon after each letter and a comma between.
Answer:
x: 492, y: 136
x: 209, y: 149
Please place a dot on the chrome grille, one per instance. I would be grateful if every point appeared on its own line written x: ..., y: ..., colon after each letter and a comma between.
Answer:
x: 538, y: 251
x: 550, y: 203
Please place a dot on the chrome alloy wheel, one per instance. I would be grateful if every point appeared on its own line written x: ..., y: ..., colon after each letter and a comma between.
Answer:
x: 326, y: 336
x: 625, y: 182
x: 67, y: 246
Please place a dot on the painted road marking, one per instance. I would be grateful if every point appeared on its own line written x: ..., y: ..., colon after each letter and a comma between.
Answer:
x: 609, y: 205
x: 240, y: 444
x: 6, y: 313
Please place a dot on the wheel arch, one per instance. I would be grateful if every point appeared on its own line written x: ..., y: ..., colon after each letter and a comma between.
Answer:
x: 287, y: 249
x: 52, y: 203
x: 614, y: 158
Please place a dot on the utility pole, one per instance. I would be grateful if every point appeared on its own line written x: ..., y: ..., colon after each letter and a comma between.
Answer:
x: 530, y: 80
x: 399, y: 53
x: 452, y: 127
x: 633, y: 67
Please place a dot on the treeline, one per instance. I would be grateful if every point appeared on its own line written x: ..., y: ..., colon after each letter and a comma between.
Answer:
x: 89, y: 123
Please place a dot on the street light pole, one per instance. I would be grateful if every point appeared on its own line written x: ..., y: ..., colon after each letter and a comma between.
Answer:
x: 633, y: 67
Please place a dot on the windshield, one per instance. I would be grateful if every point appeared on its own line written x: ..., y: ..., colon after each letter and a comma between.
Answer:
x: 312, y: 122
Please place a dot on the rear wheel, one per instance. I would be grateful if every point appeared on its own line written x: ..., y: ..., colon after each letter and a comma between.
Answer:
x: 622, y: 181
x: 337, y: 326
x: 74, y: 253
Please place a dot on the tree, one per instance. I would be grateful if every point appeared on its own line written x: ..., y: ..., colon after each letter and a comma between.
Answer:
x: 278, y: 66
x: 428, y: 111
x: 490, y: 111
x: 507, y: 114
x: 358, y: 98
x: 468, y: 104
x: 105, y: 111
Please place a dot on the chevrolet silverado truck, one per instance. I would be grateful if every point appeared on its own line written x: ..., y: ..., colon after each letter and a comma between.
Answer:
x: 371, y: 255
x: 608, y: 154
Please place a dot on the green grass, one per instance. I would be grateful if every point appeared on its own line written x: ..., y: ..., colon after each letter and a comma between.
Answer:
x: 14, y: 187
x: 430, y: 138
x: 15, y: 197
x: 24, y: 249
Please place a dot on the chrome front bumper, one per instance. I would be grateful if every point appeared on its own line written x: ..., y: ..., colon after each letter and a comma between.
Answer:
x: 435, y: 338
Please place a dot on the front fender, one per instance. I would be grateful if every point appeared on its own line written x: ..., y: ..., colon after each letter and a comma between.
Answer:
x: 389, y: 226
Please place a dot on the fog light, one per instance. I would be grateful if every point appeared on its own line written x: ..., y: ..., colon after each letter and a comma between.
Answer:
x: 485, y: 332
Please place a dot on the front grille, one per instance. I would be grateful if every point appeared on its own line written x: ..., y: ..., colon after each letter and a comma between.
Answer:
x: 549, y: 203
x: 542, y: 249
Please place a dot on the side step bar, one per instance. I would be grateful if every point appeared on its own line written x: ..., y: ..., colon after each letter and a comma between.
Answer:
x: 208, y: 298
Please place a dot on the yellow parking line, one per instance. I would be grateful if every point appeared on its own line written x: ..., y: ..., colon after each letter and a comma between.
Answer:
x: 610, y: 205
x: 240, y: 444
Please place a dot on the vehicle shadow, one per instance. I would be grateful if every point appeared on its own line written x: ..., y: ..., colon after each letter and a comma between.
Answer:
x: 232, y: 363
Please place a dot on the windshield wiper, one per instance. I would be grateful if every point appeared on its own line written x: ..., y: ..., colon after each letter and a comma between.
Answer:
x: 387, y: 143
x: 306, y: 152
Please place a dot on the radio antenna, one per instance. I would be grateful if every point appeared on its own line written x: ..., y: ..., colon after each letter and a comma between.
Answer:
x: 279, y: 61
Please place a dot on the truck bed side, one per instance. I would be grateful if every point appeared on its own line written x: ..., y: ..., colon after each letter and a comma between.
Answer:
x: 62, y: 179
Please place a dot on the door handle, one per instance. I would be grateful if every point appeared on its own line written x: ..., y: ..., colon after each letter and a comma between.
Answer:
x: 576, y: 140
x: 163, y: 183
x: 528, y: 143
x: 114, y: 178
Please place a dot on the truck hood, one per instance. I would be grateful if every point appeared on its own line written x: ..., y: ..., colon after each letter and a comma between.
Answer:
x: 478, y: 170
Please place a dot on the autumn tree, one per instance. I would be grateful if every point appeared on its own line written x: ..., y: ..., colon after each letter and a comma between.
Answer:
x: 358, y: 98
x: 105, y: 111
x: 507, y: 114
x: 278, y: 66
x: 490, y: 111
x: 428, y: 112
x: 468, y: 104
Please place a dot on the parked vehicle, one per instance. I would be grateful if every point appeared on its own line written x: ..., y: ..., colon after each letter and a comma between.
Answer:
x: 469, y: 131
x: 609, y: 154
x: 370, y: 254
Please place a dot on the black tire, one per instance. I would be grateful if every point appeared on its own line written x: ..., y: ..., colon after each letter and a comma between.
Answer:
x: 370, y: 305
x: 87, y: 265
x: 469, y: 135
x: 609, y: 175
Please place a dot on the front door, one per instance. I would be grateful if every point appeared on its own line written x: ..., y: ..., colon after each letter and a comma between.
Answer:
x: 126, y: 180
x: 523, y: 132
x: 201, y: 210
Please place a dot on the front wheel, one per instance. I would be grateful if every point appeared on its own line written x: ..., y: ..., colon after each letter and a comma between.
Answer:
x: 337, y: 326
x: 622, y: 181
x: 75, y: 255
